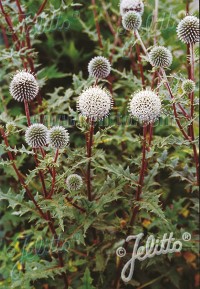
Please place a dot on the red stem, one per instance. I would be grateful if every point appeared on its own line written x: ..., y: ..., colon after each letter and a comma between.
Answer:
x: 140, y: 64
x: 97, y: 23
x: 5, y: 38
x: 174, y: 107
x: 26, y: 107
x: 75, y: 205
x: 196, y: 157
x: 11, y: 157
x: 53, y: 175
x: 89, y: 154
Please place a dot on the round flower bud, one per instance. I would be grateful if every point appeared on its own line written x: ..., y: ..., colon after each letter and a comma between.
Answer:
x: 160, y: 57
x: 131, y: 21
x: 58, y: 137
x: 99, y: 67
x: 95, y: 103
x: 131, y: 5
x: 188, y: 86
x: 74, y: 182
x: 188, y: 29
x: 36, y: 135
x: 145, y: 106
x: 24, y: 86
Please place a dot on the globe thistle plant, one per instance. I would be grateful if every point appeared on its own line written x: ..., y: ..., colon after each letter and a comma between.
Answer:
x: 188, y: 29
x: 131, y: 5
x: 99, y: 67
x: 36, y: 135
x: 74, y: 182
x: 58, y: 137
x: 188, y: 86
x: 95, y: 103
x: 131, y: 21
x: 160, y: 57
x: 145, y: 106
x: 24, y: 86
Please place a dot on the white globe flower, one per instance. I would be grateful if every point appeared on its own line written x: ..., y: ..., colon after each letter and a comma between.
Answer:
x: 131, y: 5
x: 95, y: 103
x: 24, y: 86
x: 145, y: 106
x: 160, y: 56
x: 131, y: 21
x: 58, y: 137
x: 99, y: 67
x: 188, y: 29
x: 36, y: 135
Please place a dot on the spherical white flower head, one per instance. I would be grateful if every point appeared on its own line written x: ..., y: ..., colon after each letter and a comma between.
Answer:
x: 99, y: 67
x: 160, y: 57
x: 188, y: 86
x: 145, y: 106
x: 58, y: 137
x: 36, y: 135
x: 131, y: 5
x: 188, y: 29
x: 74, y: 182
x: 95, y: 103
x: 24, y: 86
x: 131, y: 21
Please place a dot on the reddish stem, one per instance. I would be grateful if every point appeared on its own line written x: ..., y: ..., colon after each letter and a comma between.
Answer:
x: 89, y: 155
x: 5, y: 38
x: 11, y: 157
x: 140, y: 63
x: 41, y: 175
x: 26, y: 107
x: 196, y: 157
x: 75, y: 205
x: 174, y: 107
x: 97, y: 23
x: 53, y: 175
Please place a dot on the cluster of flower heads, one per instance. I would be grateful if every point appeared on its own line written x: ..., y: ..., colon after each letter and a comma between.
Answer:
x: 24, y: 86
x: 95, y: 103
x: 74, y: 182
x: 131, y: 11
x: 37, y: 135
x: 145, y: 106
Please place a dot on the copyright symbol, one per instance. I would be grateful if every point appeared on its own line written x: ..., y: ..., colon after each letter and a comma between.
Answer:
x: 186, y: 236
x: 121, y: 252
